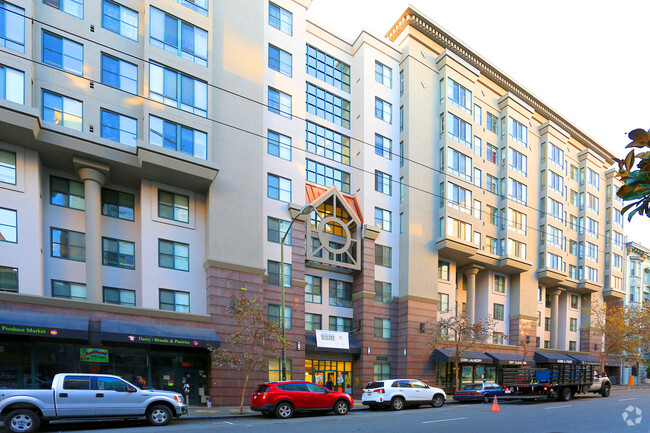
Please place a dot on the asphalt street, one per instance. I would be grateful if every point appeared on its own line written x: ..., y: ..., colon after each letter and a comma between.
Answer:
x: 624, y: 411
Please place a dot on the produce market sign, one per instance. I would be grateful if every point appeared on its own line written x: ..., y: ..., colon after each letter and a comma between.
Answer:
x: 29, y: 330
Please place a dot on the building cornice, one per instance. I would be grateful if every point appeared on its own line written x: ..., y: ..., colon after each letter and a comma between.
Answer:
x: 412, y: 17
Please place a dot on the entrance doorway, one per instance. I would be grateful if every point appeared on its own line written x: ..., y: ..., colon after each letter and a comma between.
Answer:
x: 339, y: 372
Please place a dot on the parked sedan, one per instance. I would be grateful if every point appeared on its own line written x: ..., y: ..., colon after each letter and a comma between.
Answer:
x: 398, y: 393
x: 283, y: 399
x: 484, y: 392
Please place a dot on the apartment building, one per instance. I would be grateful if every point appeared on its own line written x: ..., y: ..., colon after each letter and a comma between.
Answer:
x: 154, y: 153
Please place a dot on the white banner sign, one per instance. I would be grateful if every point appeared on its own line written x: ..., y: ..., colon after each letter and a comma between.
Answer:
x: 332, y: 339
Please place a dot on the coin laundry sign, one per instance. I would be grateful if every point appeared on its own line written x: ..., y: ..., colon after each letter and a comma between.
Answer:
x: 28, y: 330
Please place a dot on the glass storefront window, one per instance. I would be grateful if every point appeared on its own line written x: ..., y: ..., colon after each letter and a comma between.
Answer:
x: 339, y: 372
x: 466, y: 374
x: 275, y: 372
x: 490, y: 374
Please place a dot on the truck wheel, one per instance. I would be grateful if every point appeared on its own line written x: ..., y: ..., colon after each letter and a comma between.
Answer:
x: 397, y: 403
x: 22, y: 421
x: 565, y: 394
x: 159, y: 415
x: 606, y: 390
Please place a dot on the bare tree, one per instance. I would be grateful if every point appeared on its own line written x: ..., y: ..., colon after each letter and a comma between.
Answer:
x: 257, y: 338
x: 458, y: 333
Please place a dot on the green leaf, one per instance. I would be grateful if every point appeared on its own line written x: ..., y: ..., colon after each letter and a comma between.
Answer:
x: 638, y: 134
x: 629, y: 160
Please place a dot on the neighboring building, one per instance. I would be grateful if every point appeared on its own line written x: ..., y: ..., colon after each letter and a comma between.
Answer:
x: 140, y: 186
x: 637, y: 289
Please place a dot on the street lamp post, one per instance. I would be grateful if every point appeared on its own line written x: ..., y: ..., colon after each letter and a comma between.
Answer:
x: 306, y: 210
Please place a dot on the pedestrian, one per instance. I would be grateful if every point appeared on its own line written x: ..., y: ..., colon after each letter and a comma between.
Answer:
x: 329, y: 384
x: 139, y: 382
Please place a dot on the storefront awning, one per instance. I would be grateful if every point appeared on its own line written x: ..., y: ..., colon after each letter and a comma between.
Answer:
x: 467, y: 357
x: 553, y: 358
x: 586, y: 360
x: 506, y: 359
x: 146, y: 333
x: 43, y: 325
x: 311, y: 345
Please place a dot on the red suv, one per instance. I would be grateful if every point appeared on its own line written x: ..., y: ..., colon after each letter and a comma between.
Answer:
x: 285, y: 398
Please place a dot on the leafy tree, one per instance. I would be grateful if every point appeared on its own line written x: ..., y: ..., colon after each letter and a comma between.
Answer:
x: 636, y: 175
x: 256, y: 339
x: 625, y: 331
x: 459, y: 334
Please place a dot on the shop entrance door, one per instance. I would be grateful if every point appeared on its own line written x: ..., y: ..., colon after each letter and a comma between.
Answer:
x: 190, y: 377
x: 168, y: 380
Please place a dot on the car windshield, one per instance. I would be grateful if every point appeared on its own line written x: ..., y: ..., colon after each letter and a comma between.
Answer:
x: 373, y: 385
x: 472, y: 386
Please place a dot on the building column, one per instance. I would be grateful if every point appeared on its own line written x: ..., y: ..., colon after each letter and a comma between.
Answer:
x: 93, y: 175
x: 471, y: 292
x: 555, y: 302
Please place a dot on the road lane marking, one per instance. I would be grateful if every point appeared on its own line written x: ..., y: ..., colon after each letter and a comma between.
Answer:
x: 626, y: 399
x: 443, y: 420
x: 557, y: 407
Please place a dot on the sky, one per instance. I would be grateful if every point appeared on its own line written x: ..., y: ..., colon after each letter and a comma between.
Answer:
x: 588, y: 60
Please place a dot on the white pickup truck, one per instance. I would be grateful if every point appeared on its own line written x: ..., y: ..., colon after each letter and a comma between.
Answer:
x: 77, y: 395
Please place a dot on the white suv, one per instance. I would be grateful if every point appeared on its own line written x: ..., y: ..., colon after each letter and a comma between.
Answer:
x: 397, y: 393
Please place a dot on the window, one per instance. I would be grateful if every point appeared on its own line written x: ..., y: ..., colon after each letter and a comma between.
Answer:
x: 592, y: 227
x: 341, y: 324
x: 8, y: 279
x: 518, y: 132
x: 498, y: 312
x: 556, y: 210
x: 383, y: 146
x: 491, y: 153
x: 401, y: 83
x: 280, y: 18
x: 119, y: 74
x: 173, y: 255
x: 382, y: 328
x: 443, y: 305
x: 273, y: 269
x: 547, y: 324
x: 618, y: 240
x: 383, y: 110
x: 459, y: 198
x: 593, y: 179
x: 328, y: 69
x: 7, y: 167
x: 517, y: 221
x: 180, y: 138
x: 119, y: 19
x: 459, y: 229
x: 617, y: 261
x: 497, y: 338
x: 592, y: 251
x: 618, y: 216
x: 178, y: 90
x: 383, y: 219
x: 327, y: 176
x: 275, y: 370
x: 313, y: 322
x: 63, y: 53
x: 276, y: 229
x: 492, y: 245
x: 200, y: 6
x: 12, y: 27
x: 61, y: 110
x: 573, y: 198
x: 113, y: 295
x: 280, y: 60
x: 576, y: 273
x: 118, y: 127
x: 327, y: 143
x: 174, y: 207
x: 178, y: 37
x: 592, y: 203
x: 68, y: 244
x: 118, y: 253
x: 8, y: 225
x: 383, y: 292
x: 555, y: 237
x: 573, y: 172
x: 383, y: 256
x: 328, y: 106
x: 573, y: 324
x: 383, y: 75
x: 459, y: 96
x: 12, y: 87
x: 340, y: 293
x: 381, y: 371
x: 459, y: 164
x: 499, y: 284
x: 66, y: 289
x: 443, y: 270
x: 554, y: 261
x: 401, y: 118
x: 459, y: 130
x: 517, y: 249
x: 174, y: 300
x: 591, y: 274
x: 477, y: 177
x: 275, y: 313
x: 67, y: 193
x: 492, y: 184
x: 556, y: 155
x: 491, y: 122
x: 518, y: 162
x: 572, y: 346
x: 539, y: 318
x: 517, y: 191
x: 314, y: 289
x: 383, y: 182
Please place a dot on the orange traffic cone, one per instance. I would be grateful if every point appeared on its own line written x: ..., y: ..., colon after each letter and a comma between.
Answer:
x: 495, y: 405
